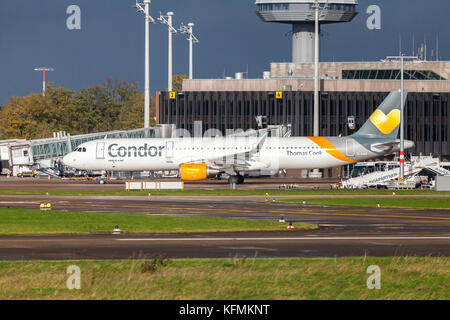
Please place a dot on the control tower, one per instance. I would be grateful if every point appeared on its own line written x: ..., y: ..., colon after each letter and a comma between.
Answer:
x: 300, y: 13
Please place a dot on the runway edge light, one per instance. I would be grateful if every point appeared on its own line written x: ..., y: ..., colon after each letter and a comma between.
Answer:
x: 116, y: 230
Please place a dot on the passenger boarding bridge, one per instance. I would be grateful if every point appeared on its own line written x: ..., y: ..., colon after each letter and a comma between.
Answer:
x: 18, y: 156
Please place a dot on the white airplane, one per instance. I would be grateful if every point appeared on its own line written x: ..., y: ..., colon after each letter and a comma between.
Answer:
x: 202, y: 158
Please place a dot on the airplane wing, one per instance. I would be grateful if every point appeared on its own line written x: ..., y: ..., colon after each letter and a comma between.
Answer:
x: 235, y: 161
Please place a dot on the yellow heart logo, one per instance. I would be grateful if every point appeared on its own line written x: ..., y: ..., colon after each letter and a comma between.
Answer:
x: 386, y: 123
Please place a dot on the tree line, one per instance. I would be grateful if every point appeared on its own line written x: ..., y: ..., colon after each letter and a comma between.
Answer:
x: 113, y: 105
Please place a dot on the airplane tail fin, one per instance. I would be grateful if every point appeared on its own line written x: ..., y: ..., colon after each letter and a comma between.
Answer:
x: 385, y: 121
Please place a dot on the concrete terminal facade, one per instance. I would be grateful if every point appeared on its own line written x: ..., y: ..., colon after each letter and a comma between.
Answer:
x: 382, y: 76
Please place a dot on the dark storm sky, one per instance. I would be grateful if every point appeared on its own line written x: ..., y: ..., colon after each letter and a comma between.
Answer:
x: 110, y: 43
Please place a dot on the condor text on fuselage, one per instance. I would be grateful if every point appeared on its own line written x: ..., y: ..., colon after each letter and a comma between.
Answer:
x: 117, y: 151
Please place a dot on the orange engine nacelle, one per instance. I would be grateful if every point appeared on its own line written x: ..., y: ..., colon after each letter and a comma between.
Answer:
x: 196, y: 171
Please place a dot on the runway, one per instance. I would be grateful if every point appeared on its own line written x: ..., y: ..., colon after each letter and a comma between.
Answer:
x: 224, y: 245
x: 344, y: 231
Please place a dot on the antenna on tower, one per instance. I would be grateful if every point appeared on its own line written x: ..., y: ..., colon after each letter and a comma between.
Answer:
x: 437, y: 46
x: 425, y: 46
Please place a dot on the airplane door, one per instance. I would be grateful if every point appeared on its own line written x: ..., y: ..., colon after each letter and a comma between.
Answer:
x: 100, y: 150
x: 257, y: 151
x: 169, y: 151
x: 350, y: 147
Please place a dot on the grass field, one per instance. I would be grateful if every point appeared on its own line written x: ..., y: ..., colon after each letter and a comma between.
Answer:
x: 25, y: 221
x: 299, y: 278
x: 220, y: 192
x: 415, y: 203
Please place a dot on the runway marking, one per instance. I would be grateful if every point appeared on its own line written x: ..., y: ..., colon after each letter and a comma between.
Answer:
x: 287, y: 211
x: 365, y: 215
x: 289, y: 239
x: 305, y: 212
x: 15, y: 202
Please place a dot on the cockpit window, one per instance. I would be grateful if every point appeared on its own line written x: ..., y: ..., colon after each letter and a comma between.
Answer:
x: 84, y: 149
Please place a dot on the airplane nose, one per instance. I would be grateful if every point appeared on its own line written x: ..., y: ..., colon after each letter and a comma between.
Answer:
x: 66, y: 160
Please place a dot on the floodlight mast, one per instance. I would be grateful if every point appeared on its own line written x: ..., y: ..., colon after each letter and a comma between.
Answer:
x: 44, y: 69
x: 188, y: 30
x: 148, y: 19
x: 402, y: 58
x: 316, y: 69
x: 316, y: 122
x: 168, y: 21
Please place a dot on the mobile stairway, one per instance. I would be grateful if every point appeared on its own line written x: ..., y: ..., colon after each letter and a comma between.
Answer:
x: 48, y: 172
x: 383, y: 174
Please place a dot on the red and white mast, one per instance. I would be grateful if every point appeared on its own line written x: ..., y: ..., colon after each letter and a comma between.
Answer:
x: 44, y: 69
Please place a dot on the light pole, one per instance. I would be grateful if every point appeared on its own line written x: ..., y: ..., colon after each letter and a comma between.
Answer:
x: 44, y: 69
x: 192, y: 40
x: 402, y: 58
x: 316, y: 122
x: 316, y: 70
x: 148, y: 19
x: 168, y: 20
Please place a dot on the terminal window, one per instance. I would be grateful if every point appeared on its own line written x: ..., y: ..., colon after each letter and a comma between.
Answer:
x: 390, y: 75
x: 274, y: 7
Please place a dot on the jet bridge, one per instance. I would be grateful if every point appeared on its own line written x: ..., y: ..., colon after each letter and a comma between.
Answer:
x: 18, y: 156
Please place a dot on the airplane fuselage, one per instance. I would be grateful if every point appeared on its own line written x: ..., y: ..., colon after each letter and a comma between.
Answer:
x: 168, y: 154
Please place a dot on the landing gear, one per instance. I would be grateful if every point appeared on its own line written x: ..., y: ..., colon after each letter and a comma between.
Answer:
x: 238, y: 179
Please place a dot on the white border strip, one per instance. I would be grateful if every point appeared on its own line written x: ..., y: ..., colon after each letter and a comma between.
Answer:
x: 288, y: 239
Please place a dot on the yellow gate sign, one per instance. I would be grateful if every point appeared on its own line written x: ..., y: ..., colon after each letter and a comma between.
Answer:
x: 279, y: 95
x: 172, y: 95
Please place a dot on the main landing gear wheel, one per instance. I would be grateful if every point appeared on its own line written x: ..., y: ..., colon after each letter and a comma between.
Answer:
x: 236, y: 179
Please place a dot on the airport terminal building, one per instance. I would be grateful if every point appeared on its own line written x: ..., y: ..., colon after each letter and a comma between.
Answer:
x: 347, y: 90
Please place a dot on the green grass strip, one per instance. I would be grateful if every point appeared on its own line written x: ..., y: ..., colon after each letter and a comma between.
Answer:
x: 415, y: 203
x: 402, y: 278
x: 27, y: 222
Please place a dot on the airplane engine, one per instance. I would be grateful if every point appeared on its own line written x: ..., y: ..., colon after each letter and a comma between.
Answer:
x: 196, y: 171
